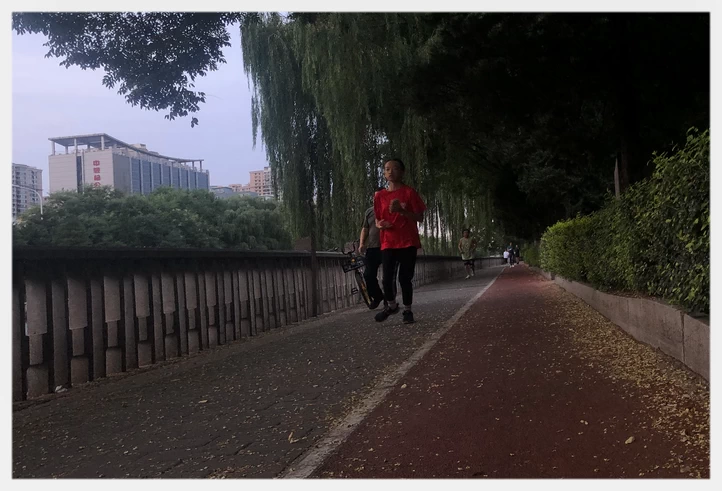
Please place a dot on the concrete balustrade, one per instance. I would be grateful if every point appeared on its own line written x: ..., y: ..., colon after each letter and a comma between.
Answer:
x: 84, y: 314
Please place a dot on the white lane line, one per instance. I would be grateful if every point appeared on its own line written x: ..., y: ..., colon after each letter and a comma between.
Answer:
x: 314, y: 457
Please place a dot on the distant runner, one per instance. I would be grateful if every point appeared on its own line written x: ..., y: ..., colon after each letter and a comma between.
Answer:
x: 467, y: 247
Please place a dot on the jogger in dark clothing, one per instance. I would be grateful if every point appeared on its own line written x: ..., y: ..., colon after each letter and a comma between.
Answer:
x: 406, y: 258
x: 370, y: 244
x: 373, y: 262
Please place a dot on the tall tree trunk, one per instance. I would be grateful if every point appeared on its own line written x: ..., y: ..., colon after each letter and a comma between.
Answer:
x: 626, y: 93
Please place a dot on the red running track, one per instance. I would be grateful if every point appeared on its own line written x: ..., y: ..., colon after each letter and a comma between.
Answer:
x: 509, y: 393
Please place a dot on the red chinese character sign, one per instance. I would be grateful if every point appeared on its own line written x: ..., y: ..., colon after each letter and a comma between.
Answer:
x: 96, y: 172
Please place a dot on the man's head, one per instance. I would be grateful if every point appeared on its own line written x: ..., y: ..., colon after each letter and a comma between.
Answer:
x: 466, y: 233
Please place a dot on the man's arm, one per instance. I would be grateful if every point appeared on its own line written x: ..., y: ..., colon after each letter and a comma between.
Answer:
x: 362, y: 240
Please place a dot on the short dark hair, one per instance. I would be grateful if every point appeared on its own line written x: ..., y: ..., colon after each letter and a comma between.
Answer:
x: 466, y: 230
x: 401, y: 162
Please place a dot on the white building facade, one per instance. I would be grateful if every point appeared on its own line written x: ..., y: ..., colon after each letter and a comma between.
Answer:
x: 101, y: 160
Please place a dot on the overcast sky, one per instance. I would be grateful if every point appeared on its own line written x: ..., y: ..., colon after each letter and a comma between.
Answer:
x: 49, y: 101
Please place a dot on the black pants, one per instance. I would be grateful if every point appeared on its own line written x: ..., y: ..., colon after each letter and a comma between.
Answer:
x: 406, y: 259
x: 373, y: 261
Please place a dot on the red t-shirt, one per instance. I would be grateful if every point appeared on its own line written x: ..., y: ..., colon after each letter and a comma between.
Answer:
x: 404, y: 231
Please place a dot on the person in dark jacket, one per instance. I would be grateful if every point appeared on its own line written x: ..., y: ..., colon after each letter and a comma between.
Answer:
x: 370, y: 246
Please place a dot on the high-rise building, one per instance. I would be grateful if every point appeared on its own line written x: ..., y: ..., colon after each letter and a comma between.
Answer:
x: 261, y: 182
x: 101, y: 160
x: 27, y: 188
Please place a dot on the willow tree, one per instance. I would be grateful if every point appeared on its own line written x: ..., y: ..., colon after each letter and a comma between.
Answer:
x: 346, y: 76
x: 293, y: 132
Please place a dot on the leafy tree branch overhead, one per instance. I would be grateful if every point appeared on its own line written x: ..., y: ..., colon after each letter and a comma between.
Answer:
x: 153, y: 59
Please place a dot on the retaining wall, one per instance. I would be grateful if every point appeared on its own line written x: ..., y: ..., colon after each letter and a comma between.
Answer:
x: 651, y: 321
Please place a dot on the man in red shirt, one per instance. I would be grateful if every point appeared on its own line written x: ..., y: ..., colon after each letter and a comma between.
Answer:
x: 398, y: 211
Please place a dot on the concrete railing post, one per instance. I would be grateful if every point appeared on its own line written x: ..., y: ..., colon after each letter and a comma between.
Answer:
x: 169, y: 316
x: 267, y: 297
x: 193, y: 311
x: 181, y: 312
x: 131, y: 342
x: 18, y: 326
x: 220, y: 305
x: 228, y: 306
x: 111, y: 297
x: 235, y: 301
x: 37, y: 373
x: 59, y: 326
x: 246, y: 295
x: 79, y: 327
x: 142, y: 312
x: 211, y: 302
x: 257, y: 307
x: 158, y: 337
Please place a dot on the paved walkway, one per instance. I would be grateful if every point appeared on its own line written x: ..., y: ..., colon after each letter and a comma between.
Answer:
x: 243, y: 410
x: 529, y: 382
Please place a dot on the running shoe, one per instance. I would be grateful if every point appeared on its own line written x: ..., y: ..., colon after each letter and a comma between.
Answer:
x: 384, y: 314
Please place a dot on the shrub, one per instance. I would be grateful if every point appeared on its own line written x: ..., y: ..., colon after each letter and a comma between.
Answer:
x: 654, y: 239
x: 563, y: 245
x: 101, y: 217
x: 530, y: 254
x: 675, y: 226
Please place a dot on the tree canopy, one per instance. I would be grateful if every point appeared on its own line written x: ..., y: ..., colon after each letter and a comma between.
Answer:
x: 165, y: 218
x: 152, y: 58
x: 507, y: 121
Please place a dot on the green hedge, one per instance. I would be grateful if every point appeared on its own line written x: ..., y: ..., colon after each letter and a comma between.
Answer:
x: 530, y: 254
x: 654, y: 239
